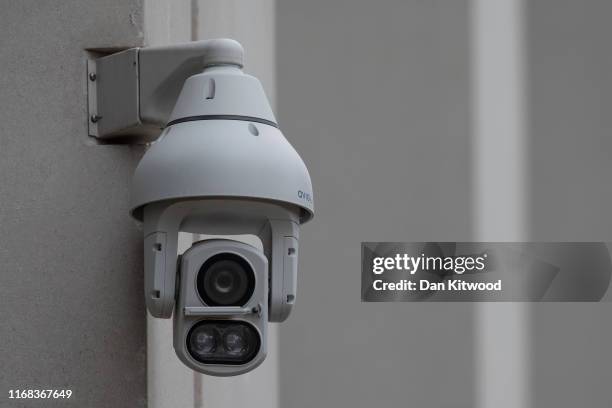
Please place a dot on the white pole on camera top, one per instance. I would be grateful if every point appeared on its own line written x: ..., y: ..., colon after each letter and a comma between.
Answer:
x: 252, y: 23
x: 500, y: 169
x: 169, y: 382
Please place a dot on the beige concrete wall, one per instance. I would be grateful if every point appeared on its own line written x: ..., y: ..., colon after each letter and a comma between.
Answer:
x: 71, y: 276
x: 70, y: 255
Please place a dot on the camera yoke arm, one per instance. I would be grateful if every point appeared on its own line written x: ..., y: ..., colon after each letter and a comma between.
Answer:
x: 281, y: 241
x: 275, y: 225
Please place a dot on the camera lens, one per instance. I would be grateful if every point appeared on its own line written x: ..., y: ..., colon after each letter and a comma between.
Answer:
x: 223, y: 342
x: 203, y: 341
x: 226, y: 280
x: 235, y: 342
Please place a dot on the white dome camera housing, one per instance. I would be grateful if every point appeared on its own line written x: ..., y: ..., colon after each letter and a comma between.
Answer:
x: 221, y: 166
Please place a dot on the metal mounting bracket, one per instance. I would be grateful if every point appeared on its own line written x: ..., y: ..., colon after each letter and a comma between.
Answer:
x: 131, y: 93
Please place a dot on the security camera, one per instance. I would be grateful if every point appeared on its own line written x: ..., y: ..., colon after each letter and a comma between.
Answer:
x: 217, y: 165
x: 221, y: 166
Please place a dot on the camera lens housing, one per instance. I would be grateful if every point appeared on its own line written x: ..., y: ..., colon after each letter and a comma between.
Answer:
x: 226, y: 280
x: 220, y: 323
x: 231, y: 342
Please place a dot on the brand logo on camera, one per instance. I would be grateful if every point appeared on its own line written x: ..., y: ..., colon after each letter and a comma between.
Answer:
x: 304, y: 196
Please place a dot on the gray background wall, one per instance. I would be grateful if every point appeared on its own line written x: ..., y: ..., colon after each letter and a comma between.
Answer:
x: 570, y: 95
x: 375, y: 97
x: 70, y: 256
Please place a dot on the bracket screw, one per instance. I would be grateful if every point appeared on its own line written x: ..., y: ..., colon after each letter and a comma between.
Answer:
x: 92, y: 76
x: 256, y: 310
x: 95, y: 118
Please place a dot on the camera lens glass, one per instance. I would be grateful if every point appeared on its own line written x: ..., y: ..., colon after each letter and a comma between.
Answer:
x: 223, y: 342
x: 203, y: 341
x: 226, y: 280
x: 235, y: 342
